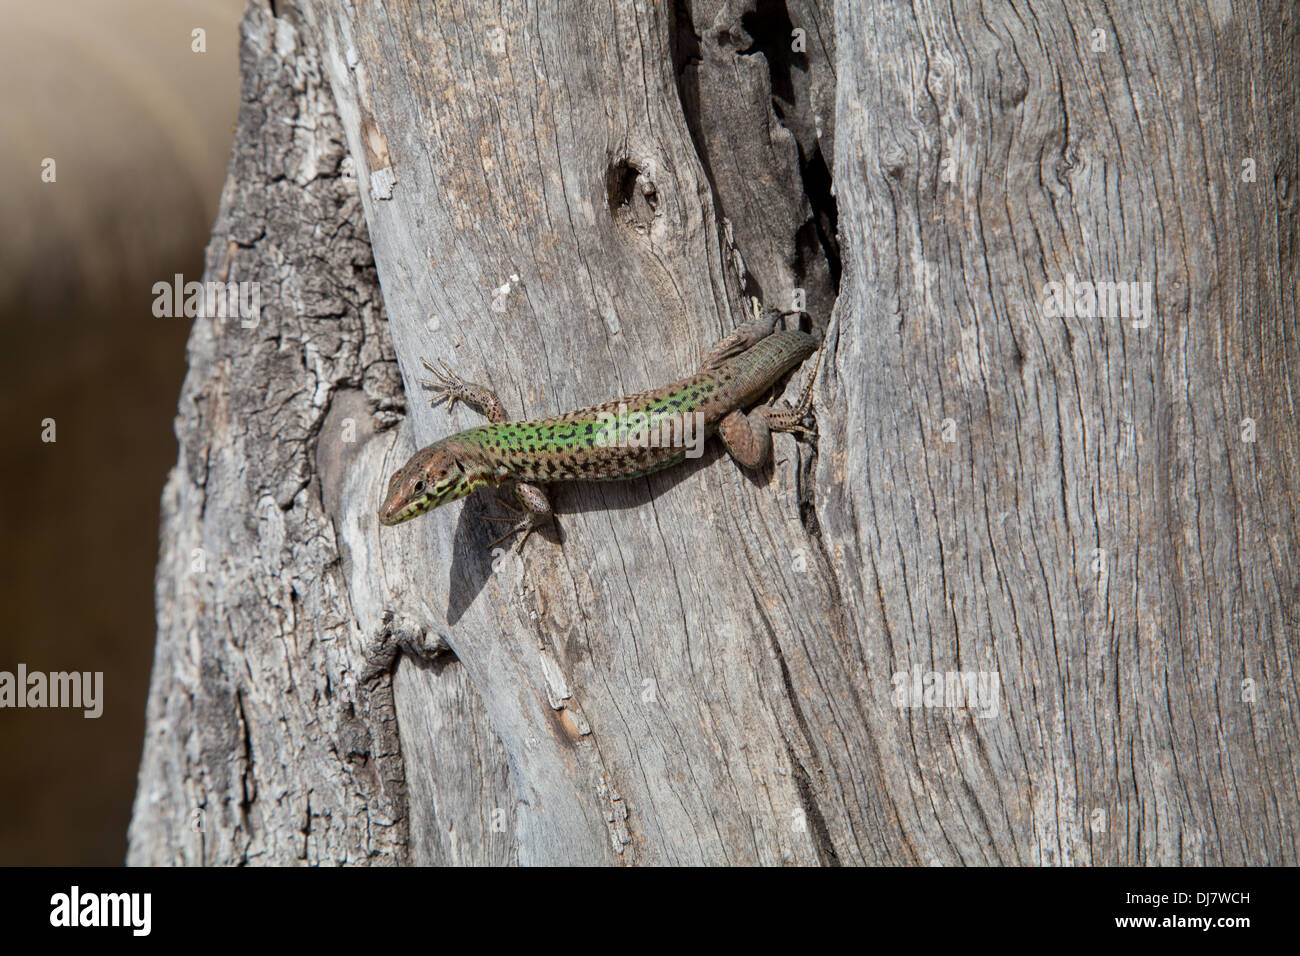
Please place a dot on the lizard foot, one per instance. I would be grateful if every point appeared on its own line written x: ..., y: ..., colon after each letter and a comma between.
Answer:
x: 527, y: 522
x: 447, y: 386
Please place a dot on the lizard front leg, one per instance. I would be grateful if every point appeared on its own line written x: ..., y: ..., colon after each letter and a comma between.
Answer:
x: 536, y: 508
x: 535, y: 511
x: 452, y: 388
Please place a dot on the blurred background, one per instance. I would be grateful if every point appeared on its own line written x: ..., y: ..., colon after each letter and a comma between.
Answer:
x: 139, y: 126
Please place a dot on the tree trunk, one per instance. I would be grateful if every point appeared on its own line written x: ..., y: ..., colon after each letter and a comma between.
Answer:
x: 1088, y: 518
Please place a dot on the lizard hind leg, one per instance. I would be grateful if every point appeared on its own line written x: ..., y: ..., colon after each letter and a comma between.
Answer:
x: 789, y: 419
x: 748, y: 437
x: 744, y: 337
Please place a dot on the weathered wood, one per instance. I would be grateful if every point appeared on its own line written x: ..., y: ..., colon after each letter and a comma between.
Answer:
x: 756, y: 92
x: 1125, y: 732
x: 700, y: 666
x: 271, y: 735
x: 633, y: 673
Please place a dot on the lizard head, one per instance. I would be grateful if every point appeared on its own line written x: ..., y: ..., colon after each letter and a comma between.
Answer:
x: 434, y: 476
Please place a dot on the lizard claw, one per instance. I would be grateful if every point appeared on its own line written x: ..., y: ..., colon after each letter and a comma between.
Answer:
x: 447, y: 386
x: 798, y: 414
x: 525, y: 524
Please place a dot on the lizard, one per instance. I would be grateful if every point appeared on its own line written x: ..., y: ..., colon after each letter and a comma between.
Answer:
x: 609, y: 441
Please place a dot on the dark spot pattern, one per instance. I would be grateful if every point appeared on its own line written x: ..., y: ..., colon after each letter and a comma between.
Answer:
x: 569, y: 446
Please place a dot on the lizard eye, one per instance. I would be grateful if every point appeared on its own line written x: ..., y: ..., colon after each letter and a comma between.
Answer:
x: 419, y: 487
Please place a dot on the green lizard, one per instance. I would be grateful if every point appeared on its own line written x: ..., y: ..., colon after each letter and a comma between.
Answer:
x: 625, y: 438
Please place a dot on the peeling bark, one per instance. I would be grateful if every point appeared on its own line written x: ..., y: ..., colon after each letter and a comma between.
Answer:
x: 272, y: 736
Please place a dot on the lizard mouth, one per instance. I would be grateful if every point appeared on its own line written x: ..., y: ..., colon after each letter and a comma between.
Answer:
x: 393, y: 513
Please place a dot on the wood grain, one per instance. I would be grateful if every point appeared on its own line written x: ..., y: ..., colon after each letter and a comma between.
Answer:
x: 702, y: 666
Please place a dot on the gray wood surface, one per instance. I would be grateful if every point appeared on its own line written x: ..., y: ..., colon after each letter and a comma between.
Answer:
x: 701, y: 666
x: 1126, y: 734
x: 272, y: 734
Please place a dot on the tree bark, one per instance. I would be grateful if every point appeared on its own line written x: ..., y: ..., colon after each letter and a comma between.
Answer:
x: 704, y: 666
x: 1102, y: 531
x: 272, y: 736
